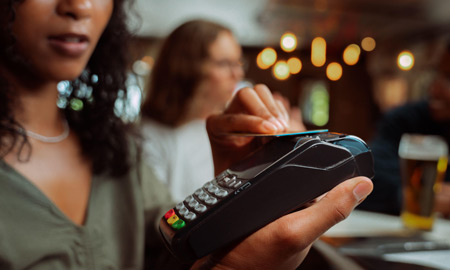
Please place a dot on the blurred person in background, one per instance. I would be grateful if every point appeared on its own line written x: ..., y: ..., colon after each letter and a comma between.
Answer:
x: 195, y: 75
x: 428, y: 116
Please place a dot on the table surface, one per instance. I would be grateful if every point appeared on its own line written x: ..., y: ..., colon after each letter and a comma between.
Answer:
x: 363, y: 223
x: 369, y: 226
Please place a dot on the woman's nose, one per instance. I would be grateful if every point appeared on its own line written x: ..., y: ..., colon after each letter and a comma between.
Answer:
x: 76, y: 9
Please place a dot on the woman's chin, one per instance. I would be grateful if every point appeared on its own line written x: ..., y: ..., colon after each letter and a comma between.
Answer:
x: 66, y: 71
x: 63, y: 75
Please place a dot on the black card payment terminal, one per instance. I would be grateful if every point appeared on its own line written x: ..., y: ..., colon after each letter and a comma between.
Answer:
x: 278, y: 178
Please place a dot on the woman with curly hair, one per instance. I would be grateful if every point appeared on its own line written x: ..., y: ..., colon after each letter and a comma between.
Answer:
x: 71, y: 187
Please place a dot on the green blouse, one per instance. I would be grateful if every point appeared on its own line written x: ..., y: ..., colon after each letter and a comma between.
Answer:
x: 35, y: 234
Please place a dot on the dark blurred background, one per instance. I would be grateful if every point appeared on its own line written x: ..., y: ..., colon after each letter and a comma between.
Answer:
x: 348, y: 100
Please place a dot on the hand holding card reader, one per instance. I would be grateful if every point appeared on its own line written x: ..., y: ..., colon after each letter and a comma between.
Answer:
x: 278, y: 178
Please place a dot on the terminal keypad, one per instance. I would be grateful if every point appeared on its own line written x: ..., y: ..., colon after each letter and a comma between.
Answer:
x: 202, y: 199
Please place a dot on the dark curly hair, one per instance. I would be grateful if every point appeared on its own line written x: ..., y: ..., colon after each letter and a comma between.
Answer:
x: 102, y: 132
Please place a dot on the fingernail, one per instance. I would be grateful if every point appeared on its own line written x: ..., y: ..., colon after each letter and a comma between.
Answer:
x: 362, y: 190
x: 268, y: 126
x: 283, y: 122
x: 276, y: 123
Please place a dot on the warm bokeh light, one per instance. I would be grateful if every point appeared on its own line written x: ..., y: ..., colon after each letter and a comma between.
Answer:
x: 368, y: 44
x: 320, y: 105
x: 259, y: 62
x: 351, y: 54
x: 142, y: 67
x: 390, y: 92
x: 405, y: 60
x: 149, y: 60
x: 266, y: 58
x: 269, y: 56
x: 315, y: 103
x: 281, y: 70
x: 318, y: 51
x: 288, y: 42
x: 334, y: 71
x: 295, y: 65
x: 442, y: 164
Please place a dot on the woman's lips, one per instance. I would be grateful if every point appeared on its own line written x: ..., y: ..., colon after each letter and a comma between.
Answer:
x: 70, y: 45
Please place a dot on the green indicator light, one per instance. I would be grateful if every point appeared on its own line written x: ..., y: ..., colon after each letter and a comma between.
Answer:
x: 178, y: 224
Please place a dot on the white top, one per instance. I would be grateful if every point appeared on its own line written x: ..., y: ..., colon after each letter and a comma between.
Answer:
x: 180, y: 157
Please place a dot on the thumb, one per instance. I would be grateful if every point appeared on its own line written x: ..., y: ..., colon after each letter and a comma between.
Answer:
x: 337, y: 205
x: 341, y: 200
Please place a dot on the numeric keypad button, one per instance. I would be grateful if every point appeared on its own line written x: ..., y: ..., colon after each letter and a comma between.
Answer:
x: 179, y: 206
x: 193, y: 203
x: 183, y: 211
x: 221, y: 193
x: 190, y: 216
x: 203, y: 196
x: 213, y: 189
x: 198, y: 191
x: 189, y: 199
x: 207, y: 185
x: 211, y: 200
x: 200, y: 208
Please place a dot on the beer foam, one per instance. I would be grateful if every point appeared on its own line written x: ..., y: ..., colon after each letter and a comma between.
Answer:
x: 422, y: 147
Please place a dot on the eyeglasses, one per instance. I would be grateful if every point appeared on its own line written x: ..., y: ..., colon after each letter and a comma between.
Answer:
x: 230, y: 65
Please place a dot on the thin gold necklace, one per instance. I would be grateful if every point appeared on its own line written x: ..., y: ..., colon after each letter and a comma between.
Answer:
x: 46, y: 139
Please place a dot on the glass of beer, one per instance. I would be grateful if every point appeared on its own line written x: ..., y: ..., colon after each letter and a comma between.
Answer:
x: 423, y: 162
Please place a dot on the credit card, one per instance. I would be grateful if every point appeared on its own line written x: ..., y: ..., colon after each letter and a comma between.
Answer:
x: 288, y: 133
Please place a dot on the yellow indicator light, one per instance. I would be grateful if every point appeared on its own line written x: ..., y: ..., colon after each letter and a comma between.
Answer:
x: 368, y: 44
x: 281, y: 70
x: 351, y: 54
x: 318, y: 51
x: 405, y: 60
x: 288, y: 42
x: 172, y: 219
x: 295, y: 65
x: 334, y: 71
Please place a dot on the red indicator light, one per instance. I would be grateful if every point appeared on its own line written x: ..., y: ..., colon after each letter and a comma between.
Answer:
x: 169, y: 213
